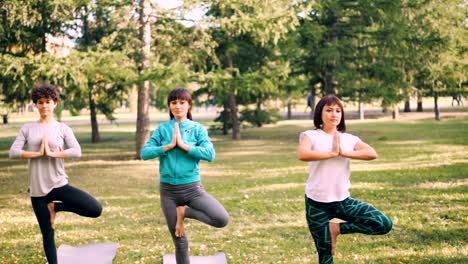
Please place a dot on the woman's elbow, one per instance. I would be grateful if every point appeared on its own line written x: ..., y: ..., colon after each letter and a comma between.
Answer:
x: 210, y: 157
x: 144, y: 155
x: 13, y: 155
x: 73, y: 153
x: 301, y: 156
x: 373, y: 155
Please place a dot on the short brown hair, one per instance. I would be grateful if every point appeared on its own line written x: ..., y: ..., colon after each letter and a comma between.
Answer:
x: 181, y: 94
x: 45, y: 91
x: 329, y: 100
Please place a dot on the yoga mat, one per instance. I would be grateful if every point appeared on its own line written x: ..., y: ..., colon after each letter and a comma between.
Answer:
x: 218, y: 258
x: 101, y: 253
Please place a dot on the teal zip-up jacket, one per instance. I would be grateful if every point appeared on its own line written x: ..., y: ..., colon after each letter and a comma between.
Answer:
x: 178, y: 166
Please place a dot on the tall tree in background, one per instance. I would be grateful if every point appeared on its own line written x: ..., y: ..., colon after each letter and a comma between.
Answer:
x: 107, y: 71
x: 240, y: 24
x: 142, y: 125
x: 344, y: 43
x: 447, y: 66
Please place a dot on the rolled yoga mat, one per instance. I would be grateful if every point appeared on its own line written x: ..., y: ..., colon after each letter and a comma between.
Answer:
x: 218, y: 258
x: 101, y: 253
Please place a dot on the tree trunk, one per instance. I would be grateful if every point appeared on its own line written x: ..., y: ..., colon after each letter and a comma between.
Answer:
x: 143, y: 121
x: 436, y: 106
x: 329, y: 84
x: 361, y: 110
x: 395, y: 112
x: 44, y: 26
x: 92, y: 111
x: 234, y: 117
x: 407, y: 108
x: 360, y: 107
x: 258, y: 114
x: 225, y: 121
x: 86, y: 39
x: 233, y: 107
x: 420, y: 104
x: 5, y: 119
x: 95, y: 137
x: 289, y: 102
x: 312, y: 101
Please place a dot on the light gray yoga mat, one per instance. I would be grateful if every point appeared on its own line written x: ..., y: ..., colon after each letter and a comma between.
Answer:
x: 218, y: 258
x: 102, y: 253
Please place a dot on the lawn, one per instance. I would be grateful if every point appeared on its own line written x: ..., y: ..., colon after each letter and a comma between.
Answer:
x: 420, y: 180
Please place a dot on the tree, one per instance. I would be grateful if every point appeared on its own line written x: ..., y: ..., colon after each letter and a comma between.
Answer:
x: 351, y: 49
x: 142, y: 126
x: 242, y: 31
x: 447, y: 68
x: 438, y: 48
x: 23, y: 41
x: 106, y: 70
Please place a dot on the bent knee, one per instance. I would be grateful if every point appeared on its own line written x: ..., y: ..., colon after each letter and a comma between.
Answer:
x: 387, y: 225
x: 96, y: 212
x: 221, y: 221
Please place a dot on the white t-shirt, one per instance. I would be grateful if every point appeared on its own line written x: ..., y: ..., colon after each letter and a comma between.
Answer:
x: 329, y: 179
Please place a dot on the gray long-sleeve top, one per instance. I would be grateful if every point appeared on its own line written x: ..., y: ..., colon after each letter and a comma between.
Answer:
x: 46, y: 173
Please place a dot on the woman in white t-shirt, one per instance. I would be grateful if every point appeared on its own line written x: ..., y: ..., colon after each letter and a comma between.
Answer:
x: 328, y: 150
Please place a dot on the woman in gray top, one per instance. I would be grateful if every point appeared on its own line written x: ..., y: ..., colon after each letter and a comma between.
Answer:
x: 48, y: 184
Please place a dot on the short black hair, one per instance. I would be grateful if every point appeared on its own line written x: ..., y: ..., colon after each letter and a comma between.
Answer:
x: 329, y: 100
x: 45, y: 91
x: 181, y: 94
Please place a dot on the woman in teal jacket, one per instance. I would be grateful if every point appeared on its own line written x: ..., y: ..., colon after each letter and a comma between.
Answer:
x: 180, y: 144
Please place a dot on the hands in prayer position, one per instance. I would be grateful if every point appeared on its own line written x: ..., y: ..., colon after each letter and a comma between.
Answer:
x: 336, y: 147
x: 44, y: 150
x: 176, y: 140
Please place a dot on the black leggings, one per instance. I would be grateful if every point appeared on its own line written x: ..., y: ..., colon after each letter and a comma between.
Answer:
x: 68, y: 199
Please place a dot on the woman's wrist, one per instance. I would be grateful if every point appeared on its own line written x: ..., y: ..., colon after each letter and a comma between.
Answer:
x: 168, y: 147
x: 50, y: 154
x: 184, y: 146
x: 31, y: 155
x: 344, y: 154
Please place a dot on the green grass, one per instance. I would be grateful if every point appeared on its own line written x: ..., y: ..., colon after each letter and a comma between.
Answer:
x: 420, y: 181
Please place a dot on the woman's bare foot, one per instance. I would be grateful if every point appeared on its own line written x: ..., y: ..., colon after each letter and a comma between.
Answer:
x: 51, y: 207
x: 179, y: 229
x: 334, y: 232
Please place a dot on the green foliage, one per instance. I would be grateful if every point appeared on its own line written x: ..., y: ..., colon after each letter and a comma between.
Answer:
x: 16, y: 77
x: 224, y: 118
x: 26, y: 24
x: 259, y: 117
x: 254, y: 50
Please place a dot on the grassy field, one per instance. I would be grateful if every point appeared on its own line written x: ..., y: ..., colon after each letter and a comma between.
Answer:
x: 420, y: 181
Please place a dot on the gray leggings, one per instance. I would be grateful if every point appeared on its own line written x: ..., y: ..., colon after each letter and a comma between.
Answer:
x: 201, y: 206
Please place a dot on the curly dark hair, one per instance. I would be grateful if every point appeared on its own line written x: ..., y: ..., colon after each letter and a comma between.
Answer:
x: 45, y: 91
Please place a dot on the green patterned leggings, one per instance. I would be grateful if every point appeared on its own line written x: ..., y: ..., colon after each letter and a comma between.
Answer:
x: 360, y: 217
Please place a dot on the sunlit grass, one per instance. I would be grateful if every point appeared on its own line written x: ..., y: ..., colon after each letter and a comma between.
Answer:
x: 420, y: 180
